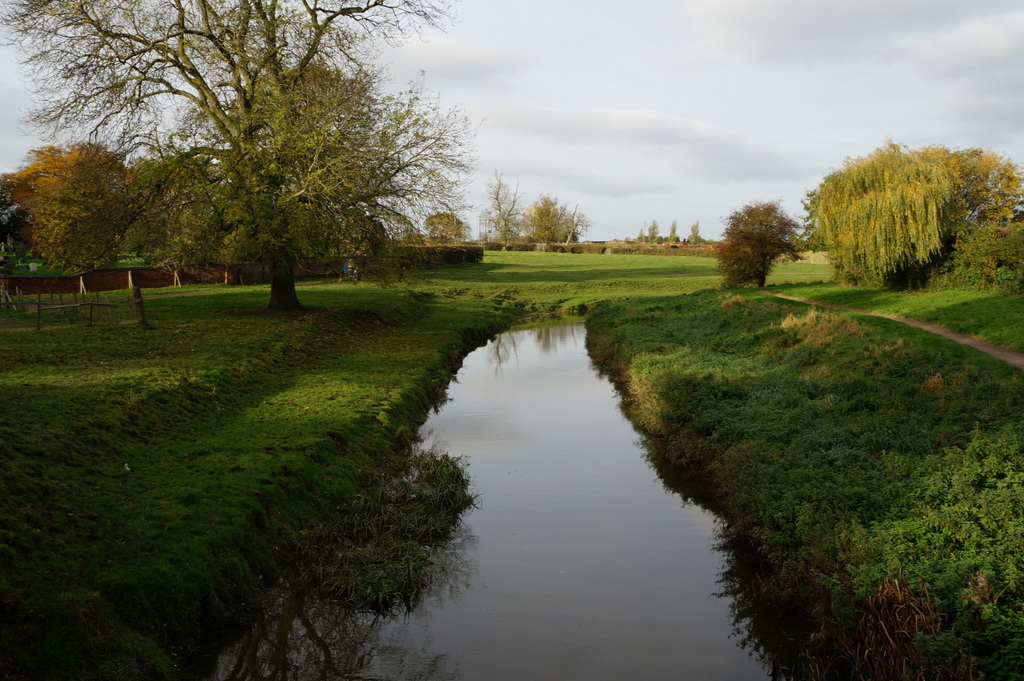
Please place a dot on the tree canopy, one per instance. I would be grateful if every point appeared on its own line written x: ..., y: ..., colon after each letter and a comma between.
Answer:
x: 263, y: 118
x: 81, y: 203
x: 548, y: 220
x: 756, y: 237
x: 892, y: 215
x: 446, y: 228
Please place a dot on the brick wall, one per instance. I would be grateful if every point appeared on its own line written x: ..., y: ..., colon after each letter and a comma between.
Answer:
x: 113, y: 278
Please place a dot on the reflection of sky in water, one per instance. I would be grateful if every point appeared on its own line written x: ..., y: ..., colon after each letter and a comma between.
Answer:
x: 579, y: 564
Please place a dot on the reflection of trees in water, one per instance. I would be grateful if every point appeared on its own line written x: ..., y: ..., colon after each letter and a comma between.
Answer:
x: 773, y: 635
x: 547, y: 338
x: 300, y: 637
x: 500, y: 350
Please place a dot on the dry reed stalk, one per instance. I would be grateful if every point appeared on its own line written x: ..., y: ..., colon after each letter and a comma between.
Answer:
x: 891, y: 623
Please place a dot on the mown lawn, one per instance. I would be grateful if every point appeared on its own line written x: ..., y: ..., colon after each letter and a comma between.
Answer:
x: 150, y: 476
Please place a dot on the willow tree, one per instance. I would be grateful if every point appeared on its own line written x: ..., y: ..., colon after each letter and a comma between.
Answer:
x: 891, y: 216
x: 244, y: 90
x: 885, y: 215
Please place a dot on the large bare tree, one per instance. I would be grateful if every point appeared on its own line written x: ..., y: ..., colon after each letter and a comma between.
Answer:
x: 270, y: 99
x: 503, y: 215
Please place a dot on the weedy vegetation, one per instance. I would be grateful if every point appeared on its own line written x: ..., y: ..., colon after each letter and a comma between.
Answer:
x: 854, y: 453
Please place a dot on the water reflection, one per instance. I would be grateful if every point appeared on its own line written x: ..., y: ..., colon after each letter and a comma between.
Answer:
x: 545, y: 336
x: 300, y: 637
x: 581, y: 563
x: 773, y: 635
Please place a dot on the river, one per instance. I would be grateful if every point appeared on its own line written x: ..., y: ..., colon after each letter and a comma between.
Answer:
x: 581, y: 562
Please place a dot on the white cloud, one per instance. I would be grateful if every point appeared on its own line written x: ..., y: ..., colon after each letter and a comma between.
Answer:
x: 975, y: 69
x: 798, y: 30
x: 973, y: 49
x: 547, y: 174
x: 693, y: 147
x: 452, y: 63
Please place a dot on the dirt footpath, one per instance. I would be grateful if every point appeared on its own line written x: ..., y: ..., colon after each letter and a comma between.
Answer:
x: 1011, y: 357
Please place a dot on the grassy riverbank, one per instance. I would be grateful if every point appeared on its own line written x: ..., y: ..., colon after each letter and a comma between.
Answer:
x: 152, y: 480
x: 992, y: 316
x: 849, y: 450
x: 150, y: 477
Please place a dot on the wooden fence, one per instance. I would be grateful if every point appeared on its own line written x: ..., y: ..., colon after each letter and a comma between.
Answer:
x: 73, y: 308
x: 116, y: 278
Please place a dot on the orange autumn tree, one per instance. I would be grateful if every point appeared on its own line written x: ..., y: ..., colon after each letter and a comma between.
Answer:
x: 80, y: 202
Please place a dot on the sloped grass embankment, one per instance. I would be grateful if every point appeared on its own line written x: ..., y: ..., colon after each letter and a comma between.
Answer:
x: 879, y: 469
x: 151, y: 480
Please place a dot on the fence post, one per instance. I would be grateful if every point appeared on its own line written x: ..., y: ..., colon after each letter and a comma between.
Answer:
x: 139, y: 309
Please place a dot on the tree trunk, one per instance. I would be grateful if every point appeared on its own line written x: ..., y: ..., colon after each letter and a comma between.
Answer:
x: 282, y: 281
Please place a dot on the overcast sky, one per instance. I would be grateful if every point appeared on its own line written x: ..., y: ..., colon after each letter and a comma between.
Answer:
x: 690, y: 109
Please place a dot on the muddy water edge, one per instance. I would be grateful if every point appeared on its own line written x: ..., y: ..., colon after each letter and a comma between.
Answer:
x: 585, y: 559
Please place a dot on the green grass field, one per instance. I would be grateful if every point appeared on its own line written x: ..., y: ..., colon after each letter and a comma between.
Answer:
x: 560, y: 282
x: 153, y: 479
x: 989, y: 315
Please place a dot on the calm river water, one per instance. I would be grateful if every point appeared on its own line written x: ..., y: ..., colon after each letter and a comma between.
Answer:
x: 581, y: 563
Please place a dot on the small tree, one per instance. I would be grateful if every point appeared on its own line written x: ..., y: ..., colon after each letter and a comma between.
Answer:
x: 673, y: 232
x: 695, y: 237
x: 756, y: 237
x: 503, y: 216
x: 543, y: 220
x: 653, y: 230
x: 548, y: 220
x: 447, y: 228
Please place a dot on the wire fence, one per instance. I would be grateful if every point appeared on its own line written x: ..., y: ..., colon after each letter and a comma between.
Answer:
x: 69, y: 308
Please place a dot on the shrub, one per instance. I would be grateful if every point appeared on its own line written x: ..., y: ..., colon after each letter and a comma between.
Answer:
x: 756, y: 237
